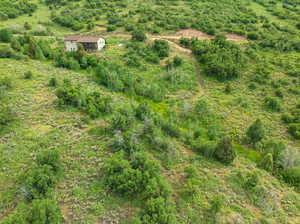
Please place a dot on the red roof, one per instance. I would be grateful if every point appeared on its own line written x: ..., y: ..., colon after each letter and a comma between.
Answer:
x: 82, y: 39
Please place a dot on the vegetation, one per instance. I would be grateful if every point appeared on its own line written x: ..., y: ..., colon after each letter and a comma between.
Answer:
x: 188, y: 115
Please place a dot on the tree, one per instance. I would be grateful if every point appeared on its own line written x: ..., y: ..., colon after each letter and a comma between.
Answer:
x: 256, y: 132
x: 224, y: 151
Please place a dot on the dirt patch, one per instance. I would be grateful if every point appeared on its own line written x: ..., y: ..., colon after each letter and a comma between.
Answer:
x: 189, y: 33
x: 231, y: 36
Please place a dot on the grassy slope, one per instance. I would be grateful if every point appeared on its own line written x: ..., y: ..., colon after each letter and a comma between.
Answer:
x: 83, y: 198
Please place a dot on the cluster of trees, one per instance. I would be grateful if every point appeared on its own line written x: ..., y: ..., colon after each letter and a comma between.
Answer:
x: 152, y: 53
x: 140, y: 176
x: 25, y: 45
x: 222, y: 59
x: 37, y: 183
x: 93, y: 103
x: 12, y: 9
x: 117, y: 78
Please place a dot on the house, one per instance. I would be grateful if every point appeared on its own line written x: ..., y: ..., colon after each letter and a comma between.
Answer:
x: 90, y: 43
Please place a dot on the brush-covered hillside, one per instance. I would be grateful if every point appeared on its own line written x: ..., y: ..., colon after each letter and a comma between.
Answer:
x: 190, y: 114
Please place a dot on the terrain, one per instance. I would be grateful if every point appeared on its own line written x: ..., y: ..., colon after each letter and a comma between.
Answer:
x: 190, y: 114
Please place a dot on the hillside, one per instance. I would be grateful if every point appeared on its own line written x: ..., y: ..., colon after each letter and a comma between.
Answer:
x: 190, y: 114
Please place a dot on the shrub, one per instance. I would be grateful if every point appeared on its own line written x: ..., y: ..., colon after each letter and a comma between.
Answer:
x: 38, y: 181
x: 294, y: 130
x: 138, y: 35
x: 256, y: 132
x: 6, y: 115
x: 6, y: 83
x: 177, y: 61
x: 158, y: 210
x: 162, y: 48
x: 5, y: 35
x: 44, y: 211
x: 53, y: 82
x: 28, y: 75
x: 276, y: 149
x: 267, y: 162
x: 50, y: 158
x: 224, y: 151
x: 139, y: 176
x: 273, y: 104
x: 292, y: 176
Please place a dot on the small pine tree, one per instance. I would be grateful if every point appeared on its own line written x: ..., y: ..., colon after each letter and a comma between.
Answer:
x: 267, y: 162
x: 225, y: 152
x: 256, y: 132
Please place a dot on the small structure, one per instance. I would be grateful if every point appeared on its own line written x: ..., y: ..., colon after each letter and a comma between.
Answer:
x: 89, y: 43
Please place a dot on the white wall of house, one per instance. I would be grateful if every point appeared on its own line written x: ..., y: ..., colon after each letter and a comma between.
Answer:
x: 71, y: 45
x: 101, y: 44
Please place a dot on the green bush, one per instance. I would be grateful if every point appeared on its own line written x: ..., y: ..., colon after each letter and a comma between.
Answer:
x: 158, y: 210
x: 45, y: 211
x: 224, y: 151
x: 256, y: 132
x: 139, y: 176
x: 6, y: 115
x: 267, y: 162
x: 28, y: 75
x: 5, y: 35
x: 272, y: 104
x: 294, y: 130
x: 39, y: 181
x: 292, y: 176
x: 162, y: 48
x: 138, y: 35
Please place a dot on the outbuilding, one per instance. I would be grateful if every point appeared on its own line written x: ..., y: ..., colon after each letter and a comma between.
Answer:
x: 89, y: 43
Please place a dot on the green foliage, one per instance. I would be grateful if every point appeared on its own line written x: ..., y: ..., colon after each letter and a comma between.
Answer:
x: 223, y: 59
x: 6, y: 115
x: 224, y: 151
x: 5, y: 35
x: 291, y: 175
x: 93, y: 103
x: 256, y: 132
x: 162, y: 48
x: 28, y: 75
x: 12, y: 9
x: 138, y: 35
x: 40, y: 179
x: 267, y: 162
x: 139, y: 176
x: 158, y: 210
x: 53, y: 82
x: 40, y: 211
x: 272, y: 104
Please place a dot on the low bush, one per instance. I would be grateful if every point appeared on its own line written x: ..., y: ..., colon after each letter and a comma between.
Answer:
x: 28, y: 75
x: 224, y: 151
x: 256, y: 132
x: 272, y: 104
x: 6, y: 115
x: 158, y: 210
x: 40, y: 179
x: 40, y: 211
x: 292, y: 176
x: 139, y: 176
